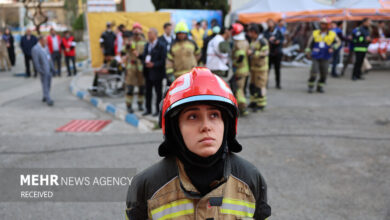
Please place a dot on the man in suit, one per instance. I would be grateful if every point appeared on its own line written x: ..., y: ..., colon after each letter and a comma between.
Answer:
x: 27, y: 42
x: 44, y: 65
x: 154, y: 65
x: 167, y: 38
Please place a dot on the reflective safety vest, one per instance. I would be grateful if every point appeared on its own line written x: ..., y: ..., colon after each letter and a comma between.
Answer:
x: 322, y: 44
x: 182, y: 57
x: 164, y: 191
x: 359, y: 39
x: 240, y: 48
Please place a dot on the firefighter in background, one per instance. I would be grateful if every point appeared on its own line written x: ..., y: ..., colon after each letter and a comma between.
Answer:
x: 258, y: 60
x: 183, y: 55
x: 240, y: 65
x: 321, y: 44
x: 134, y: 68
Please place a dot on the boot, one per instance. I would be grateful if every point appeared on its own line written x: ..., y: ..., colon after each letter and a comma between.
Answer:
x: 320, y: 89
x: 310, y: 90
x: 244, y: 112
x: 252, y: 105
x: 140, y: 107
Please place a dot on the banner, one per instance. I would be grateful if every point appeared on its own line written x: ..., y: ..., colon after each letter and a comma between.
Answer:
x: 97, y: 25
x: 190, y: 15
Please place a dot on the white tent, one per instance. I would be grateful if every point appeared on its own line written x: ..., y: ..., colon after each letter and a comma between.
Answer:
x: 308, y: 10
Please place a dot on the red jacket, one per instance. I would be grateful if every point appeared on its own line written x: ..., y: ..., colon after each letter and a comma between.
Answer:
x: 67, y: 44
x: 50, y: 43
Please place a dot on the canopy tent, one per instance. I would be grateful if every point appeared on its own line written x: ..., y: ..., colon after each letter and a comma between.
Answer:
x: 311, y: 10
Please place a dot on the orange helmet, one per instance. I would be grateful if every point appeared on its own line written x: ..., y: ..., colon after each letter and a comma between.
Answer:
x: 200, y: 85
x: 137, y: 25
x: 237, y: 28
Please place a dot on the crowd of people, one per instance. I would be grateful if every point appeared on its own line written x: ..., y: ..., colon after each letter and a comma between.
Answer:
x: 45, y: 52
x: 57, y: 46
x: 242, y: 55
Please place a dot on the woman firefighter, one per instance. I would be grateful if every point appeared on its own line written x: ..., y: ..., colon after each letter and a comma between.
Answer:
x: 200, y: 176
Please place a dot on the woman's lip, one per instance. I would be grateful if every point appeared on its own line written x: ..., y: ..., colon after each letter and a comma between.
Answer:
x: 207, y: 139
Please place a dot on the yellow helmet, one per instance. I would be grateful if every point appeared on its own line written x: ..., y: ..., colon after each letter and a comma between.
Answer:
x: 181, y: 27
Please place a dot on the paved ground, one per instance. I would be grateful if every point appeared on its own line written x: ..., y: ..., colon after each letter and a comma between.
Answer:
x: 324, y: 156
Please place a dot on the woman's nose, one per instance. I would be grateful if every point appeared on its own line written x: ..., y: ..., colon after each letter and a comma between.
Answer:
x: 206, y: 124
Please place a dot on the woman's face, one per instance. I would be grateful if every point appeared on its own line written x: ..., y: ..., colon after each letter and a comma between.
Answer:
x: 202, y: 129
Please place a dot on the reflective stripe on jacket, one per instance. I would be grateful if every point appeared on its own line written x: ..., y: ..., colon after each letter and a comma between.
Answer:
x: 359, y: 39
x: 164, y: 191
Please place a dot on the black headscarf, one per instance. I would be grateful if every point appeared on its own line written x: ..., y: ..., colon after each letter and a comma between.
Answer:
x: 202, y: 171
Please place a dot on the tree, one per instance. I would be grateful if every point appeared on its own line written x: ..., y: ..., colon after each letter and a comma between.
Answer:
x: 73, y: 11
x: 193, y: 4
x: 38, y: 17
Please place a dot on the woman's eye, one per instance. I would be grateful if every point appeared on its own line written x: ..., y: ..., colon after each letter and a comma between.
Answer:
x: 214, y: 115
x: 191, y: 117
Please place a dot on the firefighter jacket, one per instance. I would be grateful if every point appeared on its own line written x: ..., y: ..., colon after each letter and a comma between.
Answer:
x: 164, y: 191
x: 134, y: 63
x: 182, y: 57
x: 259, y: 58
x: 320, y: 43
x: 240, y: 56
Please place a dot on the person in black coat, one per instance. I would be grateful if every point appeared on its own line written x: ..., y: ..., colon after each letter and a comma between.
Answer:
x: 10, y: 45
x: 27, y: 42
x: 107, y: 43
x: 154, y: 69
x: 275, y: 39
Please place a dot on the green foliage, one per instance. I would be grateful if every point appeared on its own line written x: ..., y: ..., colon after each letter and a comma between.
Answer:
x: 193, y: 4
x: 79, y: 23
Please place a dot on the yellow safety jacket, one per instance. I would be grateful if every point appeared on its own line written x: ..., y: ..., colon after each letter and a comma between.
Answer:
x: 164, y: 191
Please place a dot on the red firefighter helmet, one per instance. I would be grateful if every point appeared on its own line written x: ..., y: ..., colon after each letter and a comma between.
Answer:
x: 137, y: 25
x: 237, y: 28
x: 199, y: 85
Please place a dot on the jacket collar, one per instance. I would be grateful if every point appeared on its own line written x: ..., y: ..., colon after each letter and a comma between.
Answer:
x: 190, y: 190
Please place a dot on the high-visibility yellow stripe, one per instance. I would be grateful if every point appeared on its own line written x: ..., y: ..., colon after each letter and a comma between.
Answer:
x: 240, y: 52
x: 169, y: 70
x: 170, y: 205
x: 239, y: 202
x: 234, y: 212
x: 360, y: 49
x: 127, y: 218
x: 177, y: 214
